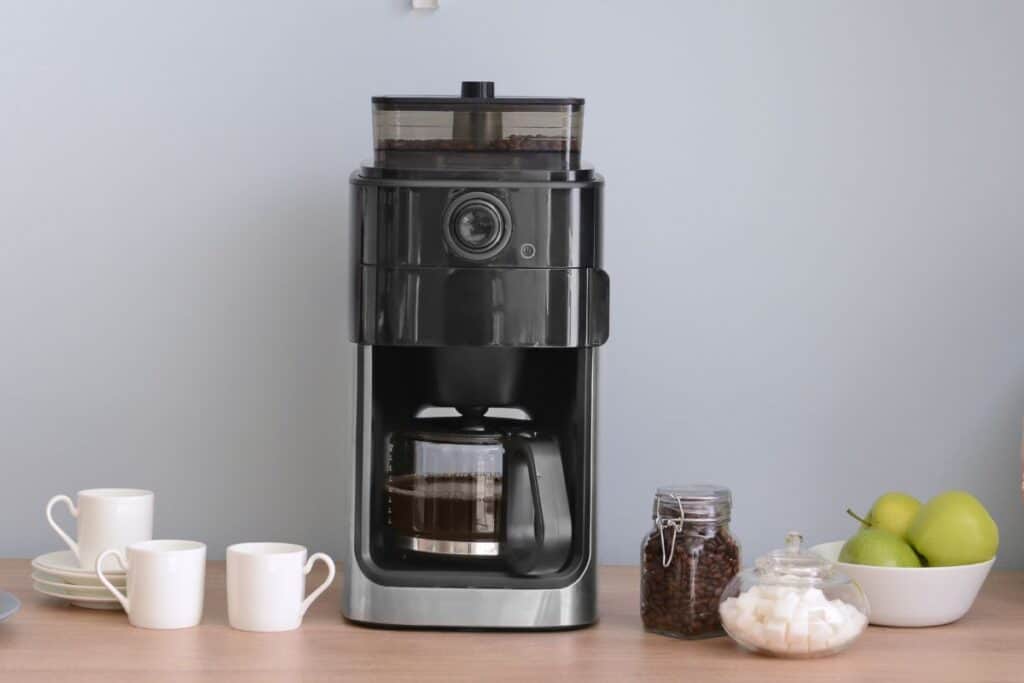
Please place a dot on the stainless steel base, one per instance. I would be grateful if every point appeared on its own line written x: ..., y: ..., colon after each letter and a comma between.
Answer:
x: 436, y: 546
x: 483, y: 608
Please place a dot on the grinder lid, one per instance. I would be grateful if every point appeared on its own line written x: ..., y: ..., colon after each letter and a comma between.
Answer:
x: 474, y: 95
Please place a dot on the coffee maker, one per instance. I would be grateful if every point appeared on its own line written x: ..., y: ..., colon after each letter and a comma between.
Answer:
x: 479, y: 306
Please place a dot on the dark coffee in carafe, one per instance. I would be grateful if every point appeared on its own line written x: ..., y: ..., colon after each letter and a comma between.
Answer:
x: 455, y: 507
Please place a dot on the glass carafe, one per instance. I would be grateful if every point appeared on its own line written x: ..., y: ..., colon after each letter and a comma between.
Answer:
x: 479, y: 487
x: 447, y: 492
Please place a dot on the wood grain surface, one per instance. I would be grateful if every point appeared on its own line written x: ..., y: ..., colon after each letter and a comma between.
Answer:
x: 52, y: 641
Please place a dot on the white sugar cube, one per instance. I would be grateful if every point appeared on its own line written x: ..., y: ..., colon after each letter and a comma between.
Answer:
x: 833, y: 614
x: 844, y: 633
x: 813, y: 597
x: 753, y: 634
x: 852, y: 613
x: 775, y: 635
x: 764, y: 609
x: 785, y: 606
x: 797, y: 637
x: 745, y: 621
x: 818, y: 635
x: 747, y: 601
x: 857, y: 623
x: 729, y: 623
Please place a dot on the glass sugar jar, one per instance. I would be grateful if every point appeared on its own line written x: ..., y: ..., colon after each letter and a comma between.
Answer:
x: 793, y: 603
x: 687, y: 560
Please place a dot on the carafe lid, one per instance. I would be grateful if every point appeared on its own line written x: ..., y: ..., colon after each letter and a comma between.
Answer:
x: 470, y: 428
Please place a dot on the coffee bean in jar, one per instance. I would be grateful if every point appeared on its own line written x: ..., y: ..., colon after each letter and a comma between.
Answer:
x: 687, y: 560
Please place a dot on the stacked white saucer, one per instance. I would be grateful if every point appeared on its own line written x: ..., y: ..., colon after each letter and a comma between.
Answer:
x: 59, y: 575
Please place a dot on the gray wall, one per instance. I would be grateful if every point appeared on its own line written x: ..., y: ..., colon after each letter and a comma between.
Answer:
x: 814, y: 233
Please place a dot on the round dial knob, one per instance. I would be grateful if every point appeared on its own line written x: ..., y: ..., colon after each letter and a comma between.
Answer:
x: 477, y: 226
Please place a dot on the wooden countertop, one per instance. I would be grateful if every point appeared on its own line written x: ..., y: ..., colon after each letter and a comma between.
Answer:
x: 49, y: 640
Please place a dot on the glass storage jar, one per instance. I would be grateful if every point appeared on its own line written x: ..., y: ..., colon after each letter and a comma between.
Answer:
x: 687, y: 560
x: 794, y: 603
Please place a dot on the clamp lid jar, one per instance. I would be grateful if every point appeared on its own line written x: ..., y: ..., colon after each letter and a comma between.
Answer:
x: 687, y: 560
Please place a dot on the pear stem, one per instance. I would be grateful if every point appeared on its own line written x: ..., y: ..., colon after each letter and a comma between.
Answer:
x: 857, y: 517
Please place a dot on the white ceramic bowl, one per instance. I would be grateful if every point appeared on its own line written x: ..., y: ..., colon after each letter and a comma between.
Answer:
x: 913, y: 596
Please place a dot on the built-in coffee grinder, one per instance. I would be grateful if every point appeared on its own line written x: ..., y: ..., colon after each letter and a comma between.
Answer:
x: 479, y: 306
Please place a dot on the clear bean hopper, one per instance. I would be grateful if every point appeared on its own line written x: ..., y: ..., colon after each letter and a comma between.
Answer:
x: 477, y: 129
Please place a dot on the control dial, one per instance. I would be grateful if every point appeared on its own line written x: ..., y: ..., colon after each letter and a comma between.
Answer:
x: 477, y: 226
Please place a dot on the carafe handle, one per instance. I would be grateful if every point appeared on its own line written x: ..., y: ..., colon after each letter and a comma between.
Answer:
x: 538, y: 523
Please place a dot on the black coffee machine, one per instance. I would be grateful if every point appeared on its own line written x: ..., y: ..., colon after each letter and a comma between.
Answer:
x: 480, y: 303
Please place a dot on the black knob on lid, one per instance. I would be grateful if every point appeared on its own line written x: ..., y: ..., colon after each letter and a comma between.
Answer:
x: 478, y: 89
x: 472, y: 416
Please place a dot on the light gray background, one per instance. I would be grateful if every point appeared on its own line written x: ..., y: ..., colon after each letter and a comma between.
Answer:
x: 814, y: 234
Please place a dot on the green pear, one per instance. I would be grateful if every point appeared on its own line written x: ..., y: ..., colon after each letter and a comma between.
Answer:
x: 954, y: 528
x: 893, y: 512
x: 880, y: 548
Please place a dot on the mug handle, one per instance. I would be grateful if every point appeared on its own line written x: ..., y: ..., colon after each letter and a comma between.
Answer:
x: 326, y: 559
x: 60, y: 532
x: 119, y: 556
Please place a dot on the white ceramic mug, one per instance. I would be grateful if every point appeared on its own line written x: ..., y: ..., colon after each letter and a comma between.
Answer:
x: 266, y: 583
x: 166, y: 582
x: 107, y: 518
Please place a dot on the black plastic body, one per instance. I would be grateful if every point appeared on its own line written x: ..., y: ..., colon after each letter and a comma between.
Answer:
x: 518, y: 329
x: 544, y: 288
